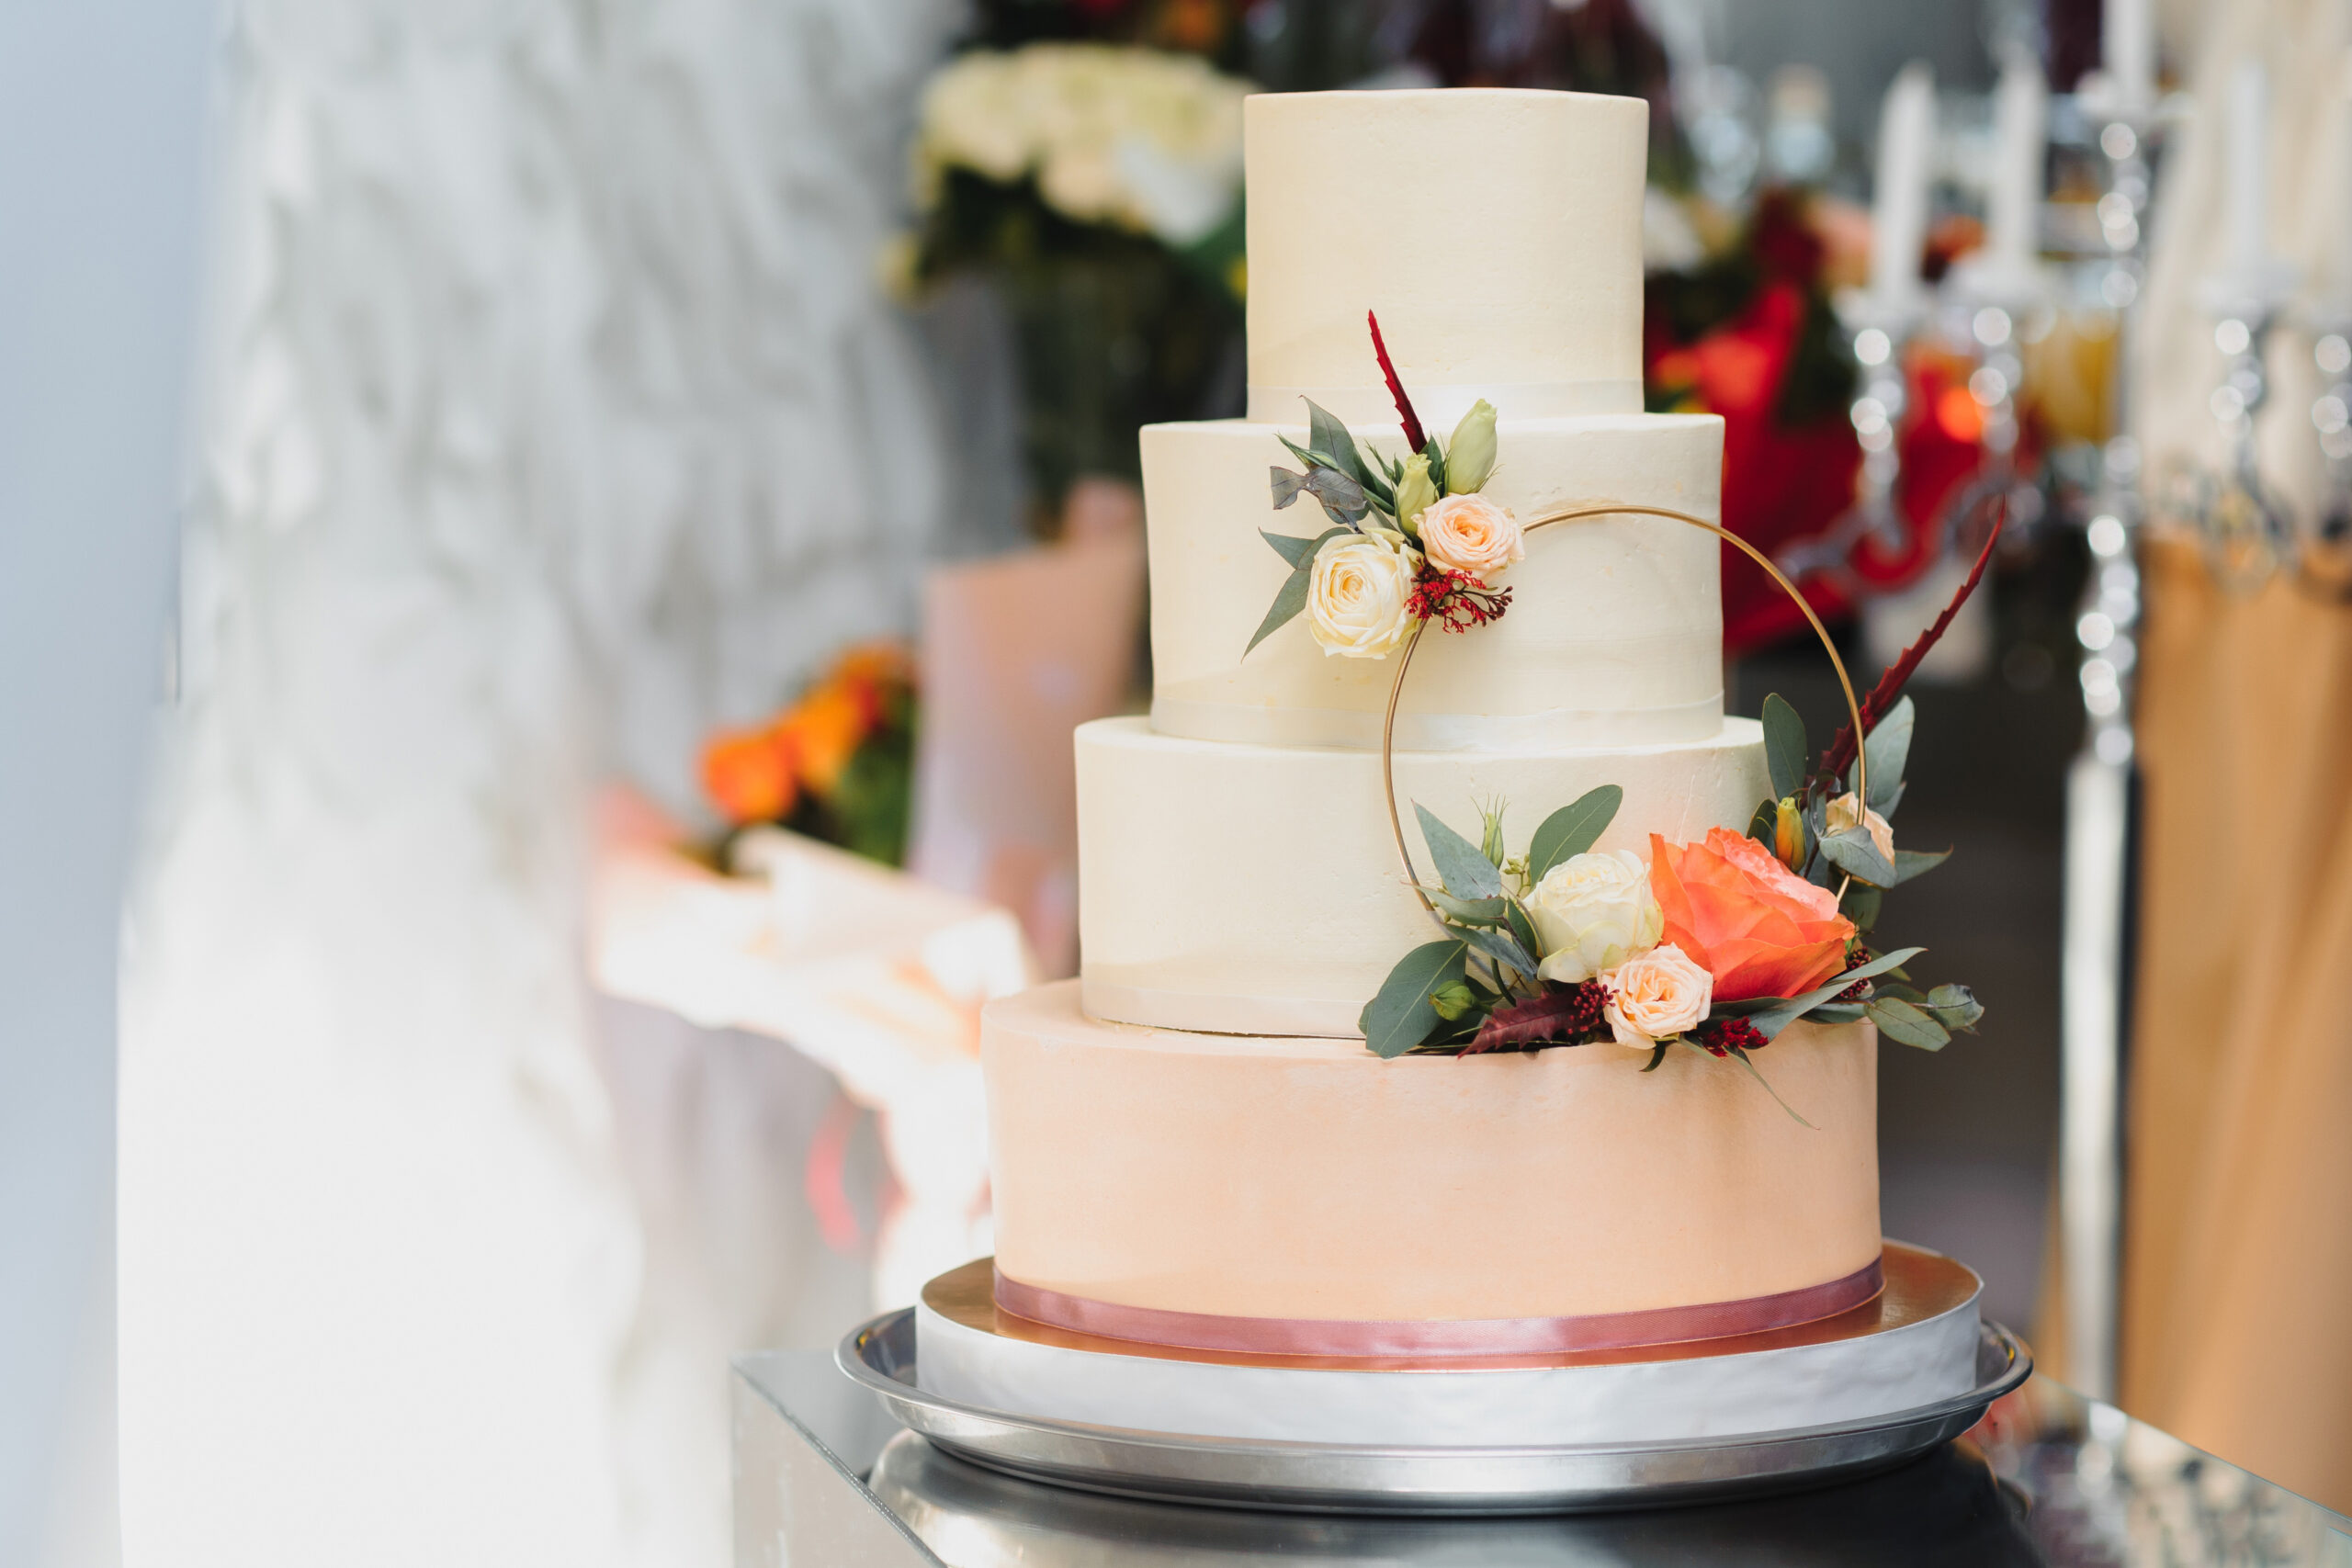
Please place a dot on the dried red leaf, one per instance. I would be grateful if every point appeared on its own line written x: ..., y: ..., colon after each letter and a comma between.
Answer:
x: 1414, y: 437
x: 1556, y: 1018
x: 1882, y: 696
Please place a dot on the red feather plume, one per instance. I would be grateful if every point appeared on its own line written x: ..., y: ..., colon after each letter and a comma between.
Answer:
x: 1840, y: 755
x: 1414, y: 435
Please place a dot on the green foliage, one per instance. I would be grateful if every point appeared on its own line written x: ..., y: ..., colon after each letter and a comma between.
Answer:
x: 1780, y: 1012
x: 1907, y: 1023
x: 1852, y: 851
x: 1909, y: 863
x: 1503, y: 948
x: 1403, y: 1014
x: 1786, y: 755
x: 1464, y: 868
x: 1288, y: 603
x: 1888, y: 751
x: 1572, y: 830
x: 1299, y: 552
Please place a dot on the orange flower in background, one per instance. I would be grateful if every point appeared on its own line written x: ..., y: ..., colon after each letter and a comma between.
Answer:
x: 747, y: 775
x: 801, y: 756
x: 823, y: 732
x: 1760, y: 929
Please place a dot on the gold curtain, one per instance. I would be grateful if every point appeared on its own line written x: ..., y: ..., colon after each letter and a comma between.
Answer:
x: 2237, y: 1312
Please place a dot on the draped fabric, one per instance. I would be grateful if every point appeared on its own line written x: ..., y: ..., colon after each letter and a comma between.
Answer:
x: 550, y: 416
x: 2238, y: 1250
x: 2238, y: 1193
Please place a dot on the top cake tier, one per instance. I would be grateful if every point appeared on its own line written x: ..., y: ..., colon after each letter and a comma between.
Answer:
x: 1507, y: 266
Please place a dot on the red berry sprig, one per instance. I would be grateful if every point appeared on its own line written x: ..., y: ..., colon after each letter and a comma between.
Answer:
x: 1455, y: 600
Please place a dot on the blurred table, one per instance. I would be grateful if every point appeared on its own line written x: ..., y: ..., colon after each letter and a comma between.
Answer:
x: 823, y: 1476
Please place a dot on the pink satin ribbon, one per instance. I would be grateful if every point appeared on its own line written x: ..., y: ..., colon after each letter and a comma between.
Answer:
x: 1464, y: 1336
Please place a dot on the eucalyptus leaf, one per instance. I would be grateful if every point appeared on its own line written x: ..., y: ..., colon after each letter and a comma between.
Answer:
x: 1287, y: 603
x: 1467, y: 872
x: 1909, y: 863
x: 1502, y: 947
x: 1297, y: 551
x: 1765, y: 825
x: 1286, y: 483
x: 1572, y: 830
x: 1515, y: 913
x: 1741, y: 1057
x: 1906, y: 1024
x: 1851, y: 851
x: 1836, y: 1012
x: 1658, y: 1055
x: 1955, y: 1007
x: 1341, y: 495
x: 1771, y: 1021
x: 1861, y: 904
x: 1468, y: 911
x: 1329, y: 438
x: 1401, y: 1016
x: 1784, y: 747
x: 1888, y: 751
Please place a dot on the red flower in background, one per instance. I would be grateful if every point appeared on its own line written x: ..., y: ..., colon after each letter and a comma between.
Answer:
x: 1749, y: 337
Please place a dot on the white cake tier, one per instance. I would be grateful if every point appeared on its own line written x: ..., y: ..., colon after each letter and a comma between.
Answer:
x: 1614, y: 635
x: 1255, y: 889
x: 1497, y: 232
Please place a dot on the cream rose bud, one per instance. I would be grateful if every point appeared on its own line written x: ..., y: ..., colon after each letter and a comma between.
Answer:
x: 1656, y: 996
x: 1470, y: 456
x: 1846, y: 812
x: 1469, y: 533
x: 1359, y: 595
x: 1592, y: 912
x: 1415, y: 491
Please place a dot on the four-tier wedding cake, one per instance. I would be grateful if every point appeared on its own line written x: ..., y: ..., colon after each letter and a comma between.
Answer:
x: 1195, y: 1152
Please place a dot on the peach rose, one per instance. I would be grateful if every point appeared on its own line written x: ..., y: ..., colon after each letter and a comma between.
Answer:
x: 1655, y: 997
x: 1845, y: 813
x: 1760, y: 928
x: 1469, y: 533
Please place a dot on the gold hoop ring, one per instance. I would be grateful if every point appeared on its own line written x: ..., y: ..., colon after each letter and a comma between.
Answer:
x: 1405, y: 662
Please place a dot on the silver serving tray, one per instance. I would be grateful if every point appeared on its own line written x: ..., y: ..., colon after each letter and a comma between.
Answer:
x: 1347, y: 1479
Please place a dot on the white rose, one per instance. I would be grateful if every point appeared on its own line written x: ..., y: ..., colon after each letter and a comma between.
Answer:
x: 1592, y: 912
x: 1469, y: 533
x: 1358, y: 595
x: 1845, y: 812
x: 1656, y: 996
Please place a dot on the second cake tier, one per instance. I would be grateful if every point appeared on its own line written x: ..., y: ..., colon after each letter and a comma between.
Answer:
x: 1256, y: 890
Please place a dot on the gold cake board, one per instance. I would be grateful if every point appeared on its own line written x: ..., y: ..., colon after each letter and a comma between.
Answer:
x: 1919, y: 1285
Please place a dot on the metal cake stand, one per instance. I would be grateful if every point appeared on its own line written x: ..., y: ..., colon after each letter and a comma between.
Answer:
x: 1314, y: 1478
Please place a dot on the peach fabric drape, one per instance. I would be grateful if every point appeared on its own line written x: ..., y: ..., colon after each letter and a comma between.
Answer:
x: 2238, y: 1207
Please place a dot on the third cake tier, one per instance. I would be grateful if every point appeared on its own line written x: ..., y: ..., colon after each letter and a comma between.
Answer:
x: 1256, y: 890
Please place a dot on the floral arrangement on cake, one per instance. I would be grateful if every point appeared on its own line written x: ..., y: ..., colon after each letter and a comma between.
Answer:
x: 1715, y: 945
x: 1097, y: 187
x: 1410, y: 539
x: 838, y: 764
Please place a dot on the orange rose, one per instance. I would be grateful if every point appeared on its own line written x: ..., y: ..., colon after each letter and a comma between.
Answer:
x: 748, y: 775
x: 1760, y: 928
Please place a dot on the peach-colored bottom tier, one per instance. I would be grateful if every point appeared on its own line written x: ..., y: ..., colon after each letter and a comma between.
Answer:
x: 1309, y: 1179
